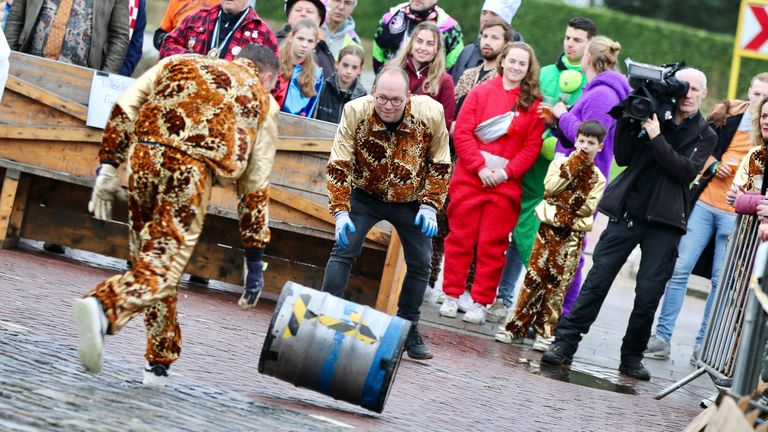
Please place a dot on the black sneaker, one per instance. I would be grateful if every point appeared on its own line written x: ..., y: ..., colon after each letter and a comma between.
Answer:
x: 415, y: 346
x: 557, y: 355
x: 635, y: 370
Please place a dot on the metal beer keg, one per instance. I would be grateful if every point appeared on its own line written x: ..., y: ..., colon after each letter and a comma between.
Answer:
x: 339, y: 348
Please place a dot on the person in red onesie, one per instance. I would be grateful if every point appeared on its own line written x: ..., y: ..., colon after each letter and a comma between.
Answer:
x: 485, y: 188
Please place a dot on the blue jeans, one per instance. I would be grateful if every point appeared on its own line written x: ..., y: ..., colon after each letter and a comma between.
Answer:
x: 513, y: 268
x: 705, y: 221
x: 366, y: 211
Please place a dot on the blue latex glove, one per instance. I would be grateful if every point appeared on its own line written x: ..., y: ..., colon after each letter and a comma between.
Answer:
x: 427, y: 218
x: 343, y: 222
x: 254, y: 282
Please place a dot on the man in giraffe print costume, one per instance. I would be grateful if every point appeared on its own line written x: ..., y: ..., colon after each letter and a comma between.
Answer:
x: 389, y: 161
x: 186, y: 123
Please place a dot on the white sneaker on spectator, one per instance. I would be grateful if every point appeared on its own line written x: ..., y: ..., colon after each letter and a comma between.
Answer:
x: 497, y: 312
x: 465, y: 302
x: 542, y: 344
x: 441, y: 298
x: 449, y: 307
x: 475, y: 314
x: 431, y: 295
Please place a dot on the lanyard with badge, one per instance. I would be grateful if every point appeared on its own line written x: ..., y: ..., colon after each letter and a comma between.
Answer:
x: 215, y: 50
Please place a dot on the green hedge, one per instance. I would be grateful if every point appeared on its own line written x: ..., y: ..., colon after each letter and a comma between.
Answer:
x: 542, y: 23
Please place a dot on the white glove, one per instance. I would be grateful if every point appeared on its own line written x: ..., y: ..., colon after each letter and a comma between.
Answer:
x: 104, y: 191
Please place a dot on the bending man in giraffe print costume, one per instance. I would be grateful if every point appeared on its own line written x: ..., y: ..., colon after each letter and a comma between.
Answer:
x: 186, y: 123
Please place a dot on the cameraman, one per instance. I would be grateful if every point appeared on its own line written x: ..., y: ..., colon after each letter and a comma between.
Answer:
x: 648, y: 204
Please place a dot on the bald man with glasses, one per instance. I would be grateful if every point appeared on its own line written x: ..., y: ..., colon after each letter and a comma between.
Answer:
x: 389, y: 161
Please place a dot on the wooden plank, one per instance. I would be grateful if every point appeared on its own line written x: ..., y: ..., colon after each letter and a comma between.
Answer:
x: 20, y: 110
x: 66, y: 80
x: 300, y: 170
x: 13, y: 202
x: 43, y: 172
x: 70, y: 157
x: 392, y: 277
x: 304, y: 144
x: 289, y: 125
x: 319, y: 212
x: 51, y: 133
x: 41, y: 95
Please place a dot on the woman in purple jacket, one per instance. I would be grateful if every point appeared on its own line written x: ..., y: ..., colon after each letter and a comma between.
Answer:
x: 605, y: 88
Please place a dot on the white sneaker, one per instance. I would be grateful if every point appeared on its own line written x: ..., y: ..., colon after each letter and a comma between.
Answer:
x: 506, y: 336
x: 431, y: 295
x: 475, y: 314
x: 542, y: 344
x: 465, y: 302
x: 156, y: 376
x: 497, y: 312
x: 91, y: 326
x: 449, y: 307
x: 441, y: 298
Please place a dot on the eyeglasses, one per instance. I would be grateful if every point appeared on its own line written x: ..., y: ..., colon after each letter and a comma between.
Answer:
x: 382, y: 100
x: 346, y: 4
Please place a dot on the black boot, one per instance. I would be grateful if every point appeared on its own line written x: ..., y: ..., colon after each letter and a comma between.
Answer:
x: 558, y: 354
x: 635, y: 370
x: 415, y: 347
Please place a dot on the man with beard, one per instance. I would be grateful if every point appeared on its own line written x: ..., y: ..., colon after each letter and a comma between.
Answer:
x: 494, y: 34
x: 471, y: 56
x: 396, y: 26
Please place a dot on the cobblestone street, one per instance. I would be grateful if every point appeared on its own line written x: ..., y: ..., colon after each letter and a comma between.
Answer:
x: 472, y: 383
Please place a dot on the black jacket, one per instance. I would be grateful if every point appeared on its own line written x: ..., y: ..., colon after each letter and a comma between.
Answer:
x: 678, y: 165
x: 332, y: 99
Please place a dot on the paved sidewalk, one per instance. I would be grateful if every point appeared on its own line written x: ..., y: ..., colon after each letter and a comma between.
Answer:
x: 41, y: 388
x: 473, y: 383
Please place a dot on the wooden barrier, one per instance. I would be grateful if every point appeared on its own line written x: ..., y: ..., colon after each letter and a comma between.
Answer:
x: 47, y: 162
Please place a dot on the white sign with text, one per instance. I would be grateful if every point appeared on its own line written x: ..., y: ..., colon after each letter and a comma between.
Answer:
x: 106, y: 89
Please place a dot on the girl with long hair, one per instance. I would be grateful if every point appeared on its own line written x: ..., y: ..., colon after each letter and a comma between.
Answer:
x: 423, y: 59
x: 300, y: 79
x: 496, y: 144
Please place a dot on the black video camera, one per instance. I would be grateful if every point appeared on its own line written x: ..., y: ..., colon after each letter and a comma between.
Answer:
x: 656, y: 90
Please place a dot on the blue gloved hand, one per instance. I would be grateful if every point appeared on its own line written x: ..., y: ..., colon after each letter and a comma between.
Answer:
x: 254, y: 283
x: 343, y: 222
x: 427, y: 218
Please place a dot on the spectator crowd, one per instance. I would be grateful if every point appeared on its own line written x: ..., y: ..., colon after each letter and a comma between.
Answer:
x: 479, y: 156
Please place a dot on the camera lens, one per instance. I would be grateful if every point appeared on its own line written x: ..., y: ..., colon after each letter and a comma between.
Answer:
x: 639, y: 107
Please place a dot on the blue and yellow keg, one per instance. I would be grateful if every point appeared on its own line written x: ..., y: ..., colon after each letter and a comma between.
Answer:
x: 342, y: 349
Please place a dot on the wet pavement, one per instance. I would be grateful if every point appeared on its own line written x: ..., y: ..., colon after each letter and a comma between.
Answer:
x: 473, y: 383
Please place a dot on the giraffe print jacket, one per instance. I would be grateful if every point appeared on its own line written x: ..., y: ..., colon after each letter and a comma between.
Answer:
x: 216, y: 111
x: 410, y: 164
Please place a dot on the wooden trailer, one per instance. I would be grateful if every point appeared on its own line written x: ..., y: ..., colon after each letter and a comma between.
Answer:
x: 47, y: 161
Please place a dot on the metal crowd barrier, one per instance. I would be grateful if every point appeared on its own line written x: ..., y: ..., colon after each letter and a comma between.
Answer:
x: 749, y: 360
x: 726, y: 319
